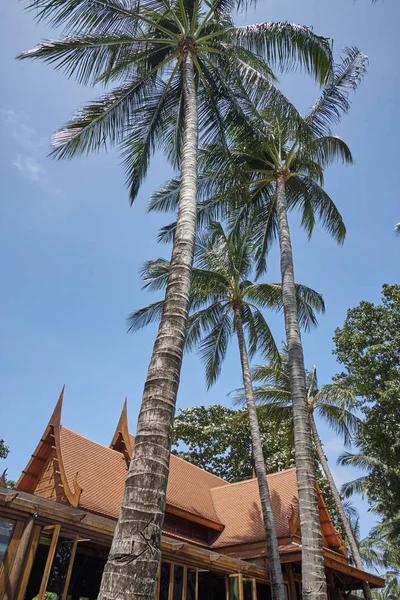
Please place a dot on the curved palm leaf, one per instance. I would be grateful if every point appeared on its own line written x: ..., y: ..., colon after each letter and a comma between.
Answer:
x: 334, y: 100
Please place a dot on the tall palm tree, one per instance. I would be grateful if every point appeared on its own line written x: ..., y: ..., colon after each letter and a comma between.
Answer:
x: 224, y: 301
x: 179, y: 66
x: 284, y: 162
x: 378, y: 551
x: 333, y: 403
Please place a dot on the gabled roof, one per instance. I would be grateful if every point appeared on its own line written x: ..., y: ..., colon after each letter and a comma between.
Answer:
x: 102, y: 473
x: 92, y: 476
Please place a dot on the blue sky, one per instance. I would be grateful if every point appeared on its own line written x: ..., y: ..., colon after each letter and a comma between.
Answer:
x: 72, y: 245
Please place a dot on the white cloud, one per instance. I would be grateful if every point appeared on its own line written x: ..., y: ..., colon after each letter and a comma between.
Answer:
x: 30, y: 168
x: 27, y: 140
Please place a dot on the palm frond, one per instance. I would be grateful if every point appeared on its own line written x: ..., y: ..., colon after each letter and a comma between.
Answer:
x: 144, y: 316
x: 269, y: 295
x: 314, y: 203
x: 90, y: 57
x: 286, y: 46
x: 324, y: 151
x: 342, y: 421
x: 82, y: 15
x: 260, y: 336
x: 276, y: 374
x: 361, y: 461
x: 154, y: 274
x: 139, y: 145
x: 202, y: 321
x: 100, y: 121
x: 334, y: 100
x: 214, y: 346
x: 357, y: 486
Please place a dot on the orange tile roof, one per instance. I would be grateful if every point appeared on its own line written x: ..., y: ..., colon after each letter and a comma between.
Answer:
x: 189, y: 487
x: 238, y: 507
x: 102, y: 472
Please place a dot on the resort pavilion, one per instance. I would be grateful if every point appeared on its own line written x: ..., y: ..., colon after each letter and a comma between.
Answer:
x: 57, y: 524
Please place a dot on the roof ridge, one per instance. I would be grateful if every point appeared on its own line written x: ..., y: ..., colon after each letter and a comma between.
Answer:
x: 255, y: 478
x: 201, y: 469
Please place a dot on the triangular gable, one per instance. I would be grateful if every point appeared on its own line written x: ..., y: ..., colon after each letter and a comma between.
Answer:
x: 46, y: 468
x: 121, y: 440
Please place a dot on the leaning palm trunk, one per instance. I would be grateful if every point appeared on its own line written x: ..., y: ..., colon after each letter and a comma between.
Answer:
x: 131, y: 569
x: 275, y: 570
x: 313, y: 572
x: 339, y: 506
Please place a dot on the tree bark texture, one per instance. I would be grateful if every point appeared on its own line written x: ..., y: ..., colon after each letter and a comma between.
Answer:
x: 274, y: 563
x: 339, y: 506
x: 131, y: 569
x: 313, y: 571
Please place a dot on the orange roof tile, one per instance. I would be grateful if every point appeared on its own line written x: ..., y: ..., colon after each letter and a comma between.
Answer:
x: 238, y: 507
x: 102, y: 472
x: 189, y: 487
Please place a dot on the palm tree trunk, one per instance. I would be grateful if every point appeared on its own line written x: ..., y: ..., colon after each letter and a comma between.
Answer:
x: 274, y: 563
x: 339, y: 506
x: 131, y: 569
x: 313, y: 571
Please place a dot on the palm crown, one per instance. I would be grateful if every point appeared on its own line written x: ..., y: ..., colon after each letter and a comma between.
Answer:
x: 332, y: 402
x: 298, y: 147
x: 221, y: 282
x: 141, y: 47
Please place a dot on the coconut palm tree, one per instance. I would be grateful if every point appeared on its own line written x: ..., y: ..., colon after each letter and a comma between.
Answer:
x: 377, y: 552
x: 225, y: 302
x: 283, y: 166
x: 179, y: 66
x: 333, y: 403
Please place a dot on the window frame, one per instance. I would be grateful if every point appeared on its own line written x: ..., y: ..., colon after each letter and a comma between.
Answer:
x: 56, y: 529
x: 171, y: 579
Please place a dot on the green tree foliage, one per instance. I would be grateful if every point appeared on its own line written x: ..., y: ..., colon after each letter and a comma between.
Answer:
x: 368, y: 345
x: 4, y: 450
x: 218, y: 440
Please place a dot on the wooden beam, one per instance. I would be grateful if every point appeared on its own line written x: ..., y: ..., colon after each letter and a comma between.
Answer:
x: 174, y: 510
x: 373, y: 580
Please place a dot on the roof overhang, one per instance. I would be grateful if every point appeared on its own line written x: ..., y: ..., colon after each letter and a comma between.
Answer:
x: 189, y: 516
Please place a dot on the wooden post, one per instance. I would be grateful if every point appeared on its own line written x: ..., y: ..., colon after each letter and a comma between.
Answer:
x: 9, y: 557
x: 19, y: 561
x: 292, y: 583
x: 49, y: 561
x: 29, y: 562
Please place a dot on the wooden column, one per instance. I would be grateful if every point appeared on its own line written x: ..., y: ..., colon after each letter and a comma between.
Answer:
x: 19, y: 561
x: 292, y: 583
